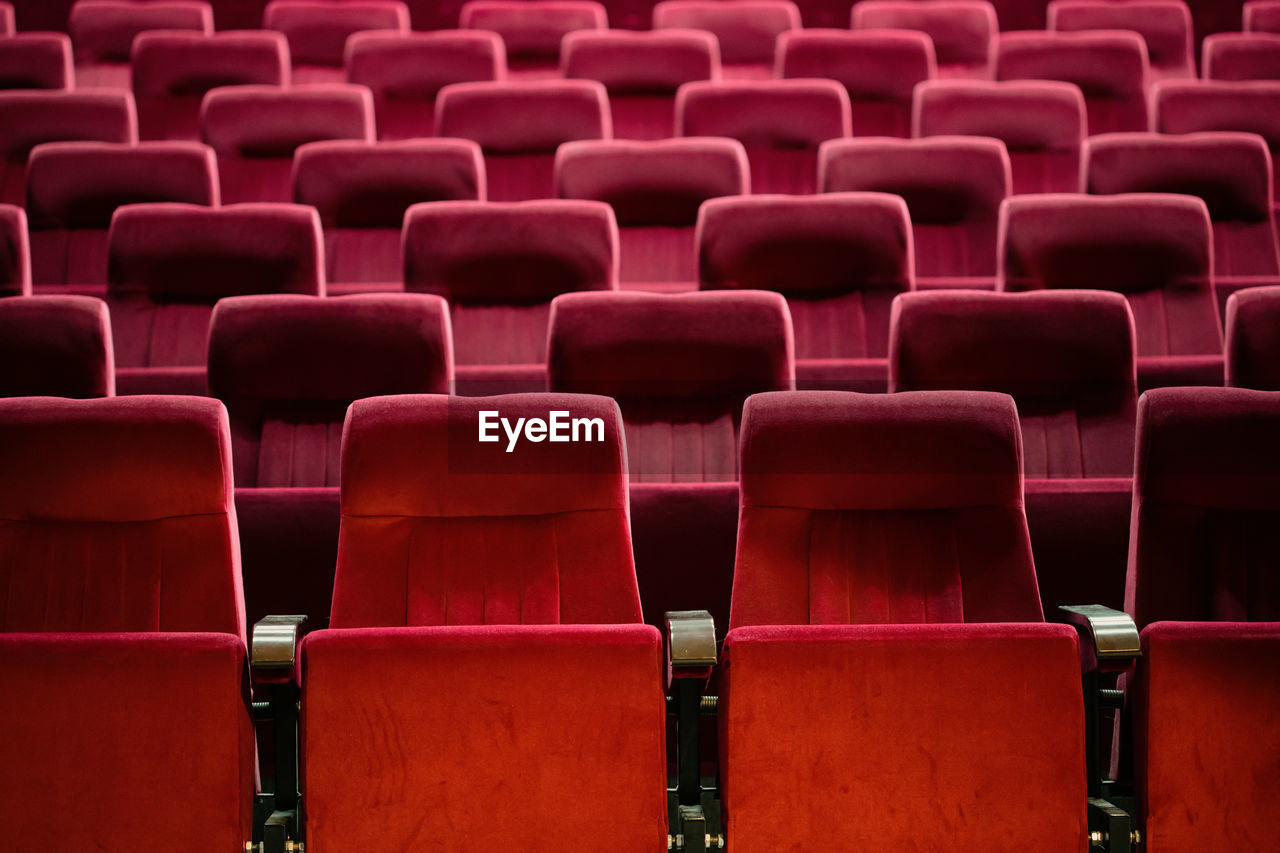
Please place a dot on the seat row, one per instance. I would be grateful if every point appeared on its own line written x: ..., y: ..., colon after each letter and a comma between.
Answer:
x: 885, y: 635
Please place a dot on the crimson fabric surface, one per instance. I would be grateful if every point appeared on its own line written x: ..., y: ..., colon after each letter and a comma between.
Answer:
x: 256, y: 129
x: 288, y: 550
x: 878, y: 68
x: 1253, y: 339
x: 288, y: 366
x: 1204, y: 535
x: 362, y: 191
x: 655, y: 189
x: 896, y: 738
x: 30, y: 118
x: 405, y: 71
x: 73, y: 188
x: 963, y: 32
x: 531, y: 713
x: 1261, y: 16
x: 1110, y: 67
x: 1222, y: 682
x: 871, y: 508
x: 519, y: 125
x: 746, y: 30
x: 36, y: 61
x: 103, y: 32
x: 439, y: 528
x: 55, y: 346
x: 839, y: 258
x: 7, y: 26
x: 173, y: 70
x: 99, y: 727
x: 1241, y: 56
x: 641, y: 71
x: 317, y: 31
x: 1067, y: 358
x: 1042, y: 123
x: 15, y: 252
x: 1080, y: 539
x: 116, y: 515
x: 533, y: 29
x: 1165, y: 25
x: 953, y: 187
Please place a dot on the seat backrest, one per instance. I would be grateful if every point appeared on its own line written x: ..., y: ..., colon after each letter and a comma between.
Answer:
x: 440, y: 528
x: 963, y: 31
x: 36, y: 61
x: 532, y: 29
x: 287, y: 367
x: 117, y: 515
x: 415, y: 66
x: 1253, y: 339
x: 103, y: 30
x: 862, y: 508
x: 15, y: 252
x: 1261, y: 16
x: 1188, y: 106
x: 30, y: 118
x: 680, y: 366
x: 527, y: 116
x: 7, y: 23
x: 55, y: 346
x: 953, y: 187
x: 640, y: 63
x: 317, y: 30
x: 73, y: 188
x: 1066, y: 357
x: 1165, y: 25
x: 1204, y: 540
x: 745, y: 29
x: 272, y: 121
x: 1241, y: 56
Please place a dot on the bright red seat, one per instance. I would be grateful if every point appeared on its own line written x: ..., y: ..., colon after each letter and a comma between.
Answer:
x: 1241, y: 56
x: 1165, y: 25
x: 747, y: 30
x: 1261, y: 16
x: 55, y: 346
x: 317, y: 31
x: 963, y: 31
x: 36, y: 61
x: 103, y: 32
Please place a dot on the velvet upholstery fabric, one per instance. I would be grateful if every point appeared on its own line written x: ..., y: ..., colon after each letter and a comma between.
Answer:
x: 747, y: 30
x: 28, y: 118
x: 441, y: 529
x: 641, y: 71
x: 15, y: 252
x: 963, y: 31
x: 406, y: 70
x: 103, y: 32
x: 655, y: 189
x: 116, y: 515
x: 953, y: 187
x: 7, y: 23
x: 862, y: 508
x: 1043, y: 123
x: 1066, y: 357
x: 1204, y: 536
x: 36, y: 61
x: 1241, y: 56
x: 839, y: 258
x: 256, y: 129
x: 73, y: 188
x: 1165, y: 25
x: 1261, y: 16
x: 318, y: 30
x: 55, y: 346
x: 173, y: 70
x: 1110, y: 67
x: 99, y: 726
x: 1253, y: 339
x: 878, y: 68
x: 287, y: 367
x: 680, y: 366
x: 362, y: 191
x: 519, y: 125
x: 897, y: 740
x: 781, y: 123
x: 531, y: 713
x: 1222, y: 683
x: 533, y: 29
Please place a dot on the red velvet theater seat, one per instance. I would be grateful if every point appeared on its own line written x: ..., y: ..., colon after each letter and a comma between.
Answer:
x: 500, y: 265
x: 781, y: 123
x: 103, y: 32
x: 36, y: 61
x: 838, y: 258
x: 1042, y: 122
x: 30, y: 118
x: 172, y: 71
x: 747, y: 30
x: 362, y: 191
x: 73, y: 188
x: 1261, y: 16
x: 123, y: 628
x: 1253, y: 339
x: 1241, y: 56
x: 169, y: 263
x: 55, y: 346
x: 655, y: 189
x: 1230, y: 171
x: 533, y: 29
x: 1110, y: 67
x: 953, y: 187
x: 642, y: 72
x: 520, y: 124
x: 1155, y: 249
x: 878, y: 68
x: 406, y: 70
x: 256, y: 129
x: 963, y: 31
x: 15, y: 252
x: 1165, y: 25
x: 317, y: 31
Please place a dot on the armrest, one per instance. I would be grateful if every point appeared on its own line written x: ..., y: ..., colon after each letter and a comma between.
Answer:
x: 273, y: 653
x: 691, y: 644
x: 1108, y: 638
x: 273, y: 659
x: 691, y: 653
